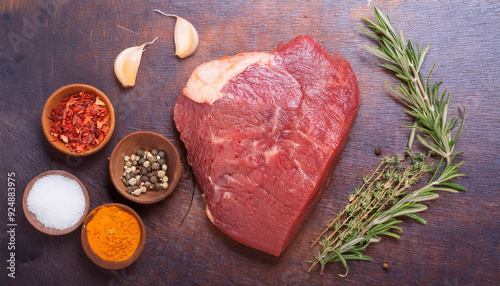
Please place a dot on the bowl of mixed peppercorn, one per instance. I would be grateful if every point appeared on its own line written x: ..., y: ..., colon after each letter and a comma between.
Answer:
x: 145, y: 167
x: 78, y: 119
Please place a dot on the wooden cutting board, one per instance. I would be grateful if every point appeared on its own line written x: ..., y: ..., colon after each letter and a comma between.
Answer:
x: 46, y: 45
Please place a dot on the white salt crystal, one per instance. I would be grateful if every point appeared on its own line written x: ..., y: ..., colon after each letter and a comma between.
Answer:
x: 56, y: 201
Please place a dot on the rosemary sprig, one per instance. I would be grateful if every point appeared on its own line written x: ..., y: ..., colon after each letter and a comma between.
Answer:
x: 377, y: 206
x: 425, y: 103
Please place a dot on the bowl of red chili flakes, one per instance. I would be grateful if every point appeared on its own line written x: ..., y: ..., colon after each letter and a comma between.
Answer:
x: 78, y: 119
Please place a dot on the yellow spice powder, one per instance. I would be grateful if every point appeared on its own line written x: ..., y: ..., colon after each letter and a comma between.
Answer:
x: 113, y: 233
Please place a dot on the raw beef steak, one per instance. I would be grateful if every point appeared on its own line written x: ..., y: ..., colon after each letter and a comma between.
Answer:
x: 263, y: 132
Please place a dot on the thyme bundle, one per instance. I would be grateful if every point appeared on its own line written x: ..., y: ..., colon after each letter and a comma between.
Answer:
x: 376, y: 207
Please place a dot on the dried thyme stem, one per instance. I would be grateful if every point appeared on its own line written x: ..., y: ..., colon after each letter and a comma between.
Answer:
x: 342, y: 213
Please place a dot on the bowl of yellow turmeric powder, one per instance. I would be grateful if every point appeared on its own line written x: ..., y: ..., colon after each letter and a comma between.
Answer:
x: 113, y: 236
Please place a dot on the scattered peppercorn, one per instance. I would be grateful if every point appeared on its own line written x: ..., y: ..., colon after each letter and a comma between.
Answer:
x: 377, y: 151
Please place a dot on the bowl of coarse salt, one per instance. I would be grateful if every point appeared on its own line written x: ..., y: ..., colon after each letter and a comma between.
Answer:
x: 55, y: 202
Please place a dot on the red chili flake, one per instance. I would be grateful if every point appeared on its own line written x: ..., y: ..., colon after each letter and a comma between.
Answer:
x: 81, y: 121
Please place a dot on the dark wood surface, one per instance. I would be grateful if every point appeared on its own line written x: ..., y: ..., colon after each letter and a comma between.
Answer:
x: 77, y: 42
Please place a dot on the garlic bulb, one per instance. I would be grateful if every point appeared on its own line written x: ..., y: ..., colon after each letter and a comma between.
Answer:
x: 185, y: 36
x: 127, y: 64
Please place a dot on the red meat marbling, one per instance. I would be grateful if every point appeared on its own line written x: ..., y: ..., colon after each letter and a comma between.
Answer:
x: 263, y: 152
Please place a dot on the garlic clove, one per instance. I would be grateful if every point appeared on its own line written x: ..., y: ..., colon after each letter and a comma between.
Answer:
x: 185, y: 36
x: 127, y: 64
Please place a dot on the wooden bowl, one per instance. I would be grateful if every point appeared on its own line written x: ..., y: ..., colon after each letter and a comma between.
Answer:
x: 40, y: 226
x: 107, y: 264
x: 56, y: 98
x: 144, y: 140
